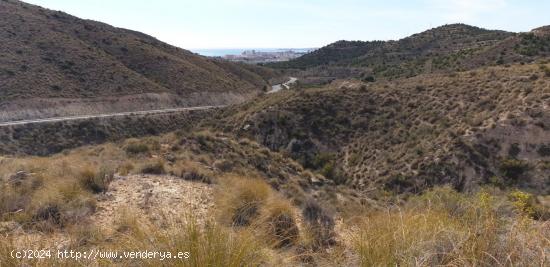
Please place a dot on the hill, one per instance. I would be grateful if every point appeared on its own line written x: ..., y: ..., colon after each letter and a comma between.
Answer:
x: 488, y: 125
x: 53, y: 63
x: 233, y: 202
x: 455, y: 47
x: 433, y: 150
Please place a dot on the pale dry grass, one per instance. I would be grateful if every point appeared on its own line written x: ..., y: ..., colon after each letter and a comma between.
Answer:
x: 209, y: 244
x: 252, y: 224
x: 447, y: 228
x: 240, y: 200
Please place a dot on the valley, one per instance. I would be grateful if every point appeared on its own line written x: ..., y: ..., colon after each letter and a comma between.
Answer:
x: 430, y: 150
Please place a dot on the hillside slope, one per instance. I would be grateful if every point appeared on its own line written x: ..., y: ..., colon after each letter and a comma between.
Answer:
x: 489, y: 125
x: 455, y: 47
x: 50, y: 59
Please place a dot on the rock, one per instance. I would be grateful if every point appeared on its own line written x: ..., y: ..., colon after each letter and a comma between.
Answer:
x: 6, y: 227
x: 315, y: 180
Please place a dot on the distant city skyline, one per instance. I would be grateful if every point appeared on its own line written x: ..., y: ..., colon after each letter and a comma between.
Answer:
x: 226, y: 24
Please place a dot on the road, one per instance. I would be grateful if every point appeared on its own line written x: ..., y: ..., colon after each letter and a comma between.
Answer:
x: 121, y: 114
x: 286, y: 85
x: 274, y: 89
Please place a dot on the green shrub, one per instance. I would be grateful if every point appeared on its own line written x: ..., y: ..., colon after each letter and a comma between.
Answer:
x: 204, y: 139
x: 321, y: 159
x: 328, y: 170
x: 523, y: 202
x: 369, y: 79
x: 513, y: 168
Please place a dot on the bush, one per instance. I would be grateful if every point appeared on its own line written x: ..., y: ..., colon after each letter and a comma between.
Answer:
x: 135, y: 148
x: 545, y: 69
x: 544, y: 150
x: 514, y: 150
x: 446, y: 228
x: 127, y: 222
x: 215, y: 246
x: 13, y: 198
x: 369, y: 79
x: 242, y: 199
x: 320, y: 224
x: 49, y: 213
x: 328, y: 170
x: 513, y: 168
x: 325, y: 163
x: 207, y: 244
x: 322, y: 159
x: 523, y: 202
x: 156, y: 167
x: 205, y: 139
x: 195, y: 175
x: 125, y: 168
x: 280, y: 224
x: 224, y: 165
x: 96, y: 182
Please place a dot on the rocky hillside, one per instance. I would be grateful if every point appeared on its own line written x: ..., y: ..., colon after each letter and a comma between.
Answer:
x: 489, y: 125
x: 50, y: 59
x: 455, y: 47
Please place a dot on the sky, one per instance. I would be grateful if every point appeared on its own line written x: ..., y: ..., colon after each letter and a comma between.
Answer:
x: 207, y: 24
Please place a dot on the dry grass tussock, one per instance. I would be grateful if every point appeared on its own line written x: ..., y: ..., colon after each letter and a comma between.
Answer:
x: 251, y: 204
x: 443, y: 227
x: 50, y: 193
x: 210, y: 244
x: 57, y: 191
x: 251, y: 224
x: 293, y: 235
x: 207, y: 245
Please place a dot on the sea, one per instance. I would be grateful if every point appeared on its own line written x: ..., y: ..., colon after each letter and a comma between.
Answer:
x: 237, y: 51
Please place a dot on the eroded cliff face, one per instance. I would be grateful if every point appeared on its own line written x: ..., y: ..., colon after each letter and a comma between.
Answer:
x: 53, y: 137
x: 37, y: 108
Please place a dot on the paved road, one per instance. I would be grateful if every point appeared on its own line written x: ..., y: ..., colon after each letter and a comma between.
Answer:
x: 286, y: 85
x: 83, y: 117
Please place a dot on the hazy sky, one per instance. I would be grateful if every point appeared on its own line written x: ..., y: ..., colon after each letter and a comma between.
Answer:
x: 195, y: 24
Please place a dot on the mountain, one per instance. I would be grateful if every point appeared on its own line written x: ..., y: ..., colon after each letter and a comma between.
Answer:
x: 455, y: 47
x: 485, y: 126
x: 54, y: 63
